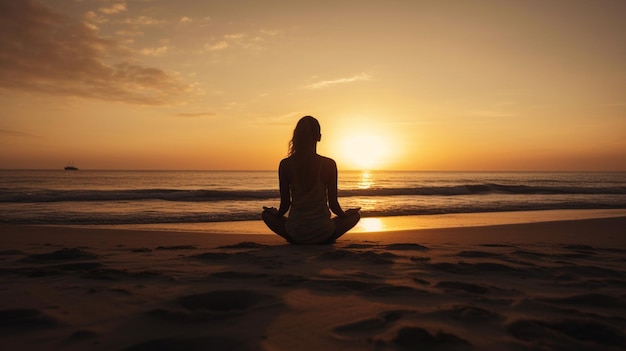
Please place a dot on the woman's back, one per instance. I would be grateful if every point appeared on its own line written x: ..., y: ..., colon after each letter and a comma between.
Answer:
x: 309, y: 216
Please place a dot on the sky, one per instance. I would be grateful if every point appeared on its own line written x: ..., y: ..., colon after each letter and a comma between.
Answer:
x: 470, y: 85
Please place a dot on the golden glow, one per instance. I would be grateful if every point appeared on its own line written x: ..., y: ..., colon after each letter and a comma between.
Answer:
x: 364, y: 150
x: 214, y: 87
x: 370, y: 225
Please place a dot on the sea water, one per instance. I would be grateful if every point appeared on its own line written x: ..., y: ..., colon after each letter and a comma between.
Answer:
x: 187, y: 198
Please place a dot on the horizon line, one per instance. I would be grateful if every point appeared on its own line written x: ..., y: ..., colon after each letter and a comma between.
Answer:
x: 340, y: 169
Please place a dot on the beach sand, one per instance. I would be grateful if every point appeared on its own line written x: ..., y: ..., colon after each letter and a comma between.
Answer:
x: 535, y: 286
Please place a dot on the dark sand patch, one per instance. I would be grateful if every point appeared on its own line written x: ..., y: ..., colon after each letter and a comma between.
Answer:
x: 406, y: 247
x: 359, y: 246
x: 287, y: 280
x: 481, y: 268
x: 472, y: 314
x: 366, y: 288
x: 591, y: 271
x: 20, y: 320
x: 478, y: 254
x: 238, y: 275
x: 140, y: 249
x: 11, y: 253
x: 243, y: 245
x: 416, y: 338
x: 177, y: 247
x: 194, y: 344
x: 589, y: 300
x: 210, y: 256
x: 461, y: 286
x: 114, y: 274
x: 83, y: 334
x: 39, y: 271
x: 569, y: 333
x: 364, y: 256
x: 226, y: 300
x: 216, y: 305
x: 63, y: 254
x: 368, y: 327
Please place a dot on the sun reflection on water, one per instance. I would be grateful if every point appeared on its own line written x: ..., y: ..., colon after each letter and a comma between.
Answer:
x: 366, y: 180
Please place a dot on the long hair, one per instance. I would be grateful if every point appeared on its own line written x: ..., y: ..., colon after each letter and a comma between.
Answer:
x: 305, y: 136
x: 302, y: 149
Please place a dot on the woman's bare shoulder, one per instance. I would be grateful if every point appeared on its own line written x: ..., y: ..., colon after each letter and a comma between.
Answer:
x: 285, y: 161
x: 326, y: 159
x: 328, y: 165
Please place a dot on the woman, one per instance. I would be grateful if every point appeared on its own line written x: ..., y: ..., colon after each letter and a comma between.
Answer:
x: 308, y: 185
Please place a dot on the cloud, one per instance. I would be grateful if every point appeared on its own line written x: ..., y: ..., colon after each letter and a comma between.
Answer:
x: 196, y: 114
x: 113, y: 9
x: 220, y: 45
x: 47, y: 52
x: 15, y: 133
x: 326, y: 83
x: 93, y: 17
x: 142, y: 20
x: 235, y: 36
x: 244, y: 41
x: 155, y: 51
x: 128, y: 33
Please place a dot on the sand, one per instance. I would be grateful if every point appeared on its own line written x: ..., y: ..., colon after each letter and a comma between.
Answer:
x: 535, y: 286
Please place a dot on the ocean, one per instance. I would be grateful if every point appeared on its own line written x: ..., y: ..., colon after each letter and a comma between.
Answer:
x: 90, y: 197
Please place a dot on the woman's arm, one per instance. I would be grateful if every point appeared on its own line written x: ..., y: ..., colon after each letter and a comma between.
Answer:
x: 283, y: 183
x: 330, y: 178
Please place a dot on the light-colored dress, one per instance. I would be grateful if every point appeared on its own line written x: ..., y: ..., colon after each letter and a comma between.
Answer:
x: 309, y: 219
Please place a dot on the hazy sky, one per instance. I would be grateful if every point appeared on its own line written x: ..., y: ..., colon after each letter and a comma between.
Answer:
x: 419, y: 85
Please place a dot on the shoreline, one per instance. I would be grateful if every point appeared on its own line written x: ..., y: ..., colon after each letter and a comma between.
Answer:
x: 568, y: 225
x: 379, y: 224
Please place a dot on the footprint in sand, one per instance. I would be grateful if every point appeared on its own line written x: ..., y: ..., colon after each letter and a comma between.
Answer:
x: 216, y: 305
x: 380, y: 332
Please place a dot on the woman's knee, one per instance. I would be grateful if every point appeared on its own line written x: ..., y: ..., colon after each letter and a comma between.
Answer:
x: 269, y: 217
x: 266, y: 216
x: 353, y: 219
x: 343, y: 224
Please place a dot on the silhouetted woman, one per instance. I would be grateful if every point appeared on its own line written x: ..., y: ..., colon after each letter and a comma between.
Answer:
x: 308, y: 185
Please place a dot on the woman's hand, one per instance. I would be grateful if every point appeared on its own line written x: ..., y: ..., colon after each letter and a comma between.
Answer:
x: 272, y: 210
x: 352, y: 211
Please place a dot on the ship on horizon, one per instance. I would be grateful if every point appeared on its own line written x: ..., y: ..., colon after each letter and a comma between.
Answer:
x: 70, y: 167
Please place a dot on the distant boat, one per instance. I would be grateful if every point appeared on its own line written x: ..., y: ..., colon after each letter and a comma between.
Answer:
x: 71, y: 167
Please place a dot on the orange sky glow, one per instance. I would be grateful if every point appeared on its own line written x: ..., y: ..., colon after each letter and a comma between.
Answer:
x: 400, y: 85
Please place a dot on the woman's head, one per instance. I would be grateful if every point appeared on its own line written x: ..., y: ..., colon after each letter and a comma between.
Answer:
x: 305, y: 136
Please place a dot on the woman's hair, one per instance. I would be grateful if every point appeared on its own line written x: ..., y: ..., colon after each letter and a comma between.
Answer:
x: 302, y: 150
x: 305, y: 136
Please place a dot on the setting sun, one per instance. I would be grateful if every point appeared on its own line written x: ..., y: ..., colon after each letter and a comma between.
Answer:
x: 364, y: 151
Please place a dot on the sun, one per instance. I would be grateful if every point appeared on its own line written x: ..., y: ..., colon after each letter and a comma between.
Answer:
x: 364, y: 150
